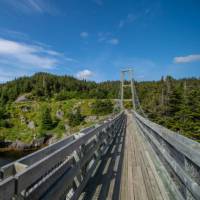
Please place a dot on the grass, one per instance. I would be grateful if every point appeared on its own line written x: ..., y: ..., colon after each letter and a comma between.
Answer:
x: 20, y: 130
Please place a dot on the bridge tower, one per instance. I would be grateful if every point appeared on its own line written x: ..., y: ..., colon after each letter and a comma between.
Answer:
x: 130, y: 83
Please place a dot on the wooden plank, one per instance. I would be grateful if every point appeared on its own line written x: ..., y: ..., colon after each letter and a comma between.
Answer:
x: 153, y: 174
x: 130, y: 183
x: 139, y: 187
x: 157, y: 178
x: 140, y: 181
x: 123, y: 184
x: 150, y: 182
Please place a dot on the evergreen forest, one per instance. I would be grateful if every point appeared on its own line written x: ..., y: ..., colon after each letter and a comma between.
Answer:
x: 47, y: 100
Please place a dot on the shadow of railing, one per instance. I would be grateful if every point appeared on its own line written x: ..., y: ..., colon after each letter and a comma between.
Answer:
x: 106, y: 181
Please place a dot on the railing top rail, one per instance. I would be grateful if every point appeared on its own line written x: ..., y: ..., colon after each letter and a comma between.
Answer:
x: 184, y: 145
x: 42, y: 154
x: 62, y: 163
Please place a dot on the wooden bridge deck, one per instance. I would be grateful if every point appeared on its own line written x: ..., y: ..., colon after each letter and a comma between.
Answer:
x: 127, y: 171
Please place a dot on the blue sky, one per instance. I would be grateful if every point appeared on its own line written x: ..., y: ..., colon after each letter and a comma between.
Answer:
x: 95, y: 39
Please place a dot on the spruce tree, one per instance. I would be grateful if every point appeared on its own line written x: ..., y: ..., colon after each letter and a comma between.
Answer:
x: 46, y: 120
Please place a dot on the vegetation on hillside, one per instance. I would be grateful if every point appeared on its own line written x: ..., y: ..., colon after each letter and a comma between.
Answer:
x: 26, y: 121
x: 172, y: 103
x: 102, y: 107
x: 45, y: 86
x: 75, y: 117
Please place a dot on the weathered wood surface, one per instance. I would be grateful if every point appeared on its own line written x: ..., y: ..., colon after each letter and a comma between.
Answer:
x: 179, y: 155
x: 139, y: 177
x: 63, y: 173
x: 127, y: 171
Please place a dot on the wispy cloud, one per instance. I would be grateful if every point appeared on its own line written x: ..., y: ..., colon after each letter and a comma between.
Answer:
x: 129, y: 19
x: 113, y: 41
x: 33, y: 6
x: 26, y: 58
x: 25, y: 54
x: 84, y: 74
x: 144, y: 13
x: 103, y: 36
x: 108, y: 38
x: 98, y: 2
x: 13, y: 34
x: 187, y: 59
x: 84, y: 34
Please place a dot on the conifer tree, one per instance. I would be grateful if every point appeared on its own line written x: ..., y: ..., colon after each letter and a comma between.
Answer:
x: 46, y: 120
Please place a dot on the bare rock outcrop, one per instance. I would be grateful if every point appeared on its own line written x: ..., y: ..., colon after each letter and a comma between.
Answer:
x: 21, y: 98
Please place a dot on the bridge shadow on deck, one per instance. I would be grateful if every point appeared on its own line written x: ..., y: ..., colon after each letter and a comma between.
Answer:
x: 106, y: 182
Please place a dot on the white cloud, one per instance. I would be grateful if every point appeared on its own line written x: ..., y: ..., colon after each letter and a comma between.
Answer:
x: 13, y: 34
x: 71, y: 60
x: 140, y: 14
x: 104, y: 36
x: 30, y: 6
x: 84, y: 34
x: 25, y: 54
x: 19, y: 58
x: 113, y: 41
x: 84, y: 74
x: 187, y: 59
x: 129, y: 19
x: 107, y: 37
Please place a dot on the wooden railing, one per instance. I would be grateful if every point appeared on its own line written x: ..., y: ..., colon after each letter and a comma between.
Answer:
x: 61, y: 170
x: 178, y: 154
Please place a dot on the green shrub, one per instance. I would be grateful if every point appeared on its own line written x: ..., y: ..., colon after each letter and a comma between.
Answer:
x: 5, y: 124
x: 46, y: 119
x: 102, y: 107
x: 75, y: 117
x: 128, y: 105
x: 62, y: 96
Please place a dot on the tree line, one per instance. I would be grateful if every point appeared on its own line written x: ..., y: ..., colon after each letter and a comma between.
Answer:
x: 172, y: 103
x: 44, y: 85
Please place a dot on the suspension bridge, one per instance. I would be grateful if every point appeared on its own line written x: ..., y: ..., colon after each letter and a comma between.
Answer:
x: 124, y: 157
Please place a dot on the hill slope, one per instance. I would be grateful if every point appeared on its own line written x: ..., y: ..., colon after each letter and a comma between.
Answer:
x: 169, y: 102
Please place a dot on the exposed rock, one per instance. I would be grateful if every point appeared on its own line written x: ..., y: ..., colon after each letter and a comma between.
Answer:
x: 90, y: 104
x: 90, y: 118
x: 18, y: 145
x: 38, y: 142
x: 77, y: 105
x: 31, y: 125
x: 67, y: 127
x: 59, y: 114
x: 74, y: 111
x: 22, y: 119
x: 21, y: 98
x: 52, y: 140
x: 25, y: 108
